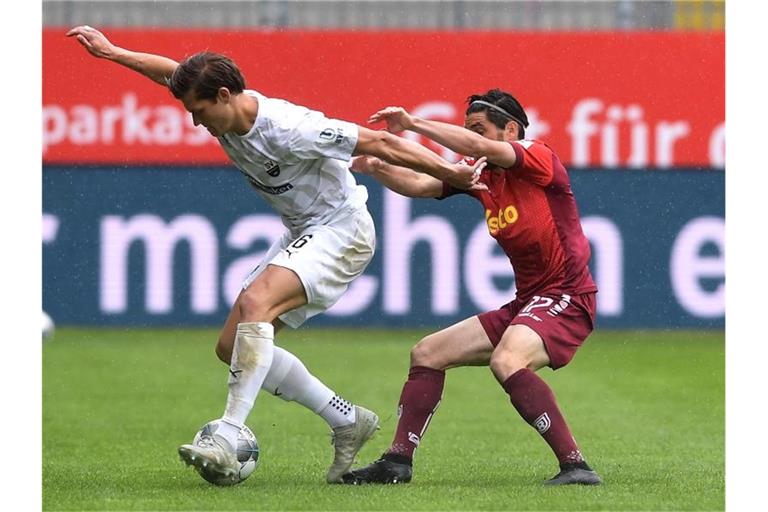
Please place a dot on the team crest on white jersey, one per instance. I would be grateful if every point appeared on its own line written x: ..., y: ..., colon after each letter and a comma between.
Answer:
x: 273, y: 169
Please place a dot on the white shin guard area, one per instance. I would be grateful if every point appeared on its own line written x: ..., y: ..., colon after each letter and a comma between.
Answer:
x: 251, y: 360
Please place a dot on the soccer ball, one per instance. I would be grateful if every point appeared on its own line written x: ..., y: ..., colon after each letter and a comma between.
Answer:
x: 247, y: 455
x: 48, y: 326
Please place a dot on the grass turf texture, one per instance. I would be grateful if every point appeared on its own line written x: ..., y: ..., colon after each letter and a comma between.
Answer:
x: 647, y: 409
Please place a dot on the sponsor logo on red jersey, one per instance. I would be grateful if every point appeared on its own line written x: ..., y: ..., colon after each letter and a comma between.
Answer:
x: 500, y: 220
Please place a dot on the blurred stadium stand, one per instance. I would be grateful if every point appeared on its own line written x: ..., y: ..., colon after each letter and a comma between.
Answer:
x: 382, y: 14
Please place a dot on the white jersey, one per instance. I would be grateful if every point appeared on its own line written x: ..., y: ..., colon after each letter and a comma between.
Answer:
x: 297, y: 159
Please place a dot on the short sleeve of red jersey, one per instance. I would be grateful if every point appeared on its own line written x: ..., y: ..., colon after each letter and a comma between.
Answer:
x: 534, y: 161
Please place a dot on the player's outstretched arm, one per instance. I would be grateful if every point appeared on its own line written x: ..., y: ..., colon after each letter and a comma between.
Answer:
x: 155, y: 67
x: 457, y: 138
x: 402, y: 152
x: 402, y: 180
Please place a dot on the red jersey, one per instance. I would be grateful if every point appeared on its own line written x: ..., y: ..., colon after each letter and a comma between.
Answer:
x: 531, y: 212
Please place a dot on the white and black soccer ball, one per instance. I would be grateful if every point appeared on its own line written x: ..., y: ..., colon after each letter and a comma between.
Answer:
x: 247, y: 454
x: 48, y: 327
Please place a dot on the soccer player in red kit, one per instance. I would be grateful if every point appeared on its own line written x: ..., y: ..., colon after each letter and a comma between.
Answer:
x: 531, y: 212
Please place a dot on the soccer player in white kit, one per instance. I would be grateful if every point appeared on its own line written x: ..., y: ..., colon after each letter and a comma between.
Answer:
x: 298, y: 161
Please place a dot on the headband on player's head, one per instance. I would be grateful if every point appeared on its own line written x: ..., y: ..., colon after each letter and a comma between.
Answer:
x: 500, y: 110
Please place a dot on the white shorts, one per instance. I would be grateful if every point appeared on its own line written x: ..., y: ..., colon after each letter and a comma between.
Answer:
x: 326, y: 258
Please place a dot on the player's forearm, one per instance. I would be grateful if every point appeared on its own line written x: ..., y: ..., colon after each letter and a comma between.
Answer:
x: 406, y: 182
x: 406, y: 153
x: 155, y: 67
x: 451, y: 136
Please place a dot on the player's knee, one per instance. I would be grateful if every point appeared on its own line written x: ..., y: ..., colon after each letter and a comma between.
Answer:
x: 252, y: 305
x: 505, y: 362
x: 423, y: 354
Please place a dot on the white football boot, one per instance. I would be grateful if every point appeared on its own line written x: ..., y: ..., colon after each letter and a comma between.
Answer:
x: 348, y: 440
x: 212, y: 454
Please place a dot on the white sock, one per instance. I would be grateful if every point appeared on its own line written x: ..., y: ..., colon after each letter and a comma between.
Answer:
x: 289, y: 379
x: 338, y: 412
x: 251, y: 359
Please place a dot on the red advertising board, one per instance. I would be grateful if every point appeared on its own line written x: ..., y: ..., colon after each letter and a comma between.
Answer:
x: 629, y: 99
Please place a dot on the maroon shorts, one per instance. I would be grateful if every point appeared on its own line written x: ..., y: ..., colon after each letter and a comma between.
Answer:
x: 562, y: 321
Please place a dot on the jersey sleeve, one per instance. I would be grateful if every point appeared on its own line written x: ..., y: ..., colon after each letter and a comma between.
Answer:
x: 534, y: 161
x: 316, y: 136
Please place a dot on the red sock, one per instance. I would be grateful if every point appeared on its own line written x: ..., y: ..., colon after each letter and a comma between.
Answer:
x: 418, y: 401
x: 536, y: 403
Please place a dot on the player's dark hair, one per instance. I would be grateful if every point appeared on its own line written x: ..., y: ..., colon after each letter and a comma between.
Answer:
x: 507, y: 109
x: 204, y: 73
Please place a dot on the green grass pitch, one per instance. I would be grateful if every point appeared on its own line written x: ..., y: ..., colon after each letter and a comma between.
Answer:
x: 647, y: 409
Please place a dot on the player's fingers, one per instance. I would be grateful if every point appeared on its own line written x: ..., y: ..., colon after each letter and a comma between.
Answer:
x: 78, y: 29
x: 89, y: 32
x: 382, y: 115
x: 378, y: 116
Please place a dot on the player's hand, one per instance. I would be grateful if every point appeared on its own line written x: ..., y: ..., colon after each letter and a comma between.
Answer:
x: 365, y: 164
x: 467, y: 177
x: 94, y: 41
x: 397, y: 119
